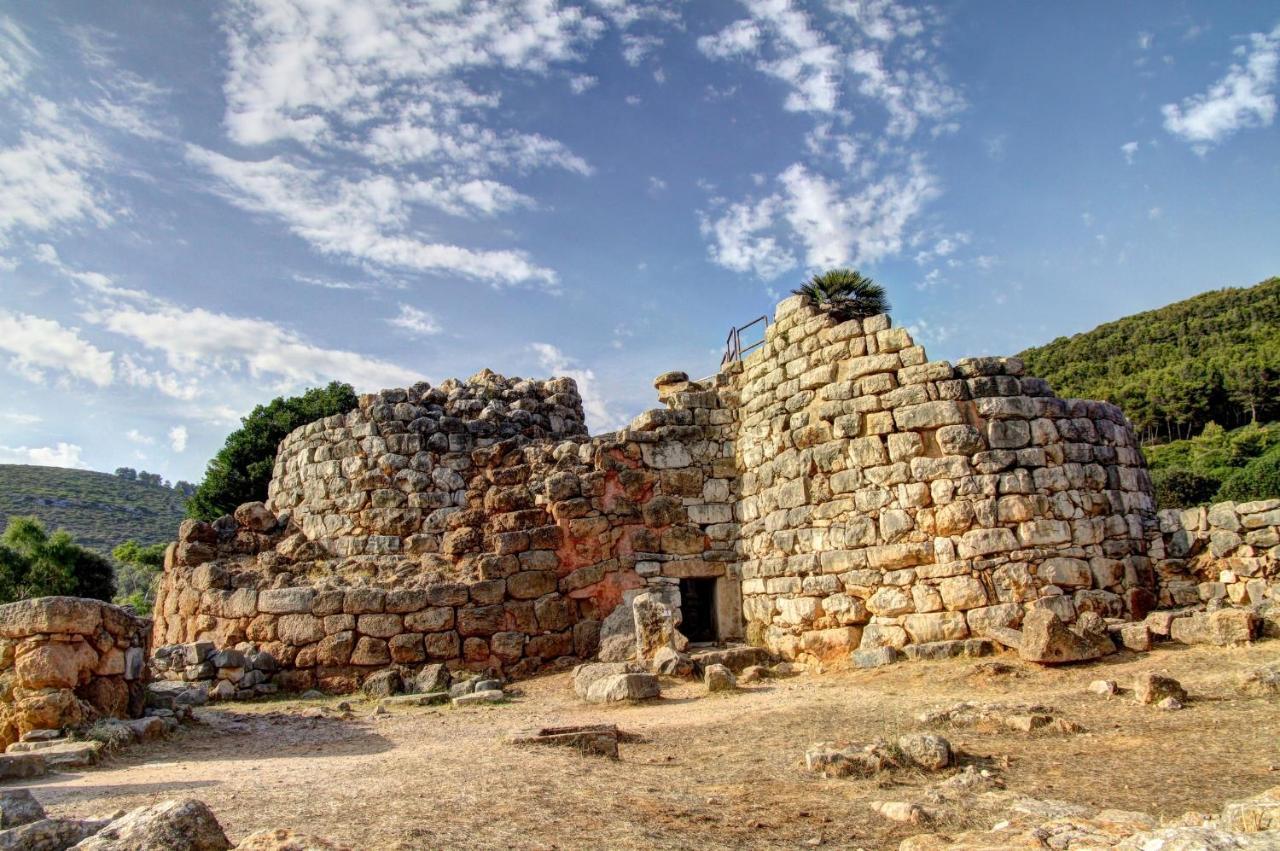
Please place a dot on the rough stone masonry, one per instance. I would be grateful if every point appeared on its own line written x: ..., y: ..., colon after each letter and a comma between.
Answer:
x: 836, y: 489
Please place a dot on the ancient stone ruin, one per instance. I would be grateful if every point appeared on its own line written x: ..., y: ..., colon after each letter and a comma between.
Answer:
x: 67, y: 661
x: 835, y: 491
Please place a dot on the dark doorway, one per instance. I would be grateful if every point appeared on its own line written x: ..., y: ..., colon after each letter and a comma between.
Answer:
x: 697, y: 609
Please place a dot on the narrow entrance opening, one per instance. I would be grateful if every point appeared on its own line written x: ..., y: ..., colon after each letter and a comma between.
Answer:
x: 697, y: 609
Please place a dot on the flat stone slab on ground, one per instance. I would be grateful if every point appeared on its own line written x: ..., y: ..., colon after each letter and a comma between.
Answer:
x: 736, y: 659
x: 430, y: 699
x: 477, y: 697
x: 20, y: 766
x: 599, y: 739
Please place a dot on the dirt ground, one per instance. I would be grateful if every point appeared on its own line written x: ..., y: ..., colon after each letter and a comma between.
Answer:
x: 714, y: 771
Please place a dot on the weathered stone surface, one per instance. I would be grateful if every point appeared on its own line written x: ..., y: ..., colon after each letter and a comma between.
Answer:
x: 719, y: 678
x: 619, y: 687
x: 19, y: 806
x: 1150, y: 687
x: 283, y: 839
x: 179, y: 825
x: 1223, y: 627
x: 926, y: 750
x: 1046, y: 639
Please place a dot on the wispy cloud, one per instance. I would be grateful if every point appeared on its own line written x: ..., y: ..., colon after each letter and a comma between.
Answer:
x: 1243, y: 98
x: 415, y: 322
x: 41, y: 345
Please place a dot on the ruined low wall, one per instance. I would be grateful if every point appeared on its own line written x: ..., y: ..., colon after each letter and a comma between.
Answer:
x: 66, y: 661
x: 402, y: 533
x: 1228, y: 553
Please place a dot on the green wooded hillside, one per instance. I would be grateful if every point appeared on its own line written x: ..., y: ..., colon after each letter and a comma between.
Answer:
x: 100, y: 510
x: 1211, y: 358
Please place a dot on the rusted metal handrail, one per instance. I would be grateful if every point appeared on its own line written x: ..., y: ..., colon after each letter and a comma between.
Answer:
x: 733, y: 350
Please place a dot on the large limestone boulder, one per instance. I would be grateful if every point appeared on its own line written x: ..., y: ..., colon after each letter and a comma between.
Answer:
x: 622, y: 687
x: 1046, y: 639
x: 584, y: 676
x: 180, y: 825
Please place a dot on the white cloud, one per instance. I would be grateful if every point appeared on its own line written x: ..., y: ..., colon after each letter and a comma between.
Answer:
x: 368, y: 219
x: 20, y: 419
x: 95, y: 281
x: 1154, y: 213
x: 1129, y: 149
x: 636, y: 47
x: 135, y: 436
x: 1242, y: 98
x: 415, y: 322
x: 579, y: 83
x: 1145, y: 40
x: 314, y: 72
x: 40, y: 344
x: 46, y: 178
x: 741, y: 241
x: 17, y: 56
x: 59, y: 455
x: 600, y: 415
x: 178, y: 438
x: 883, y: 57
x: 197, y: 342
x: 734, y: 40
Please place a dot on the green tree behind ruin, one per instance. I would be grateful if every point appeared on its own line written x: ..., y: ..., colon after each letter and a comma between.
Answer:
x: 241, y: 470
x: 1212, y: 358
x: 35, y: 563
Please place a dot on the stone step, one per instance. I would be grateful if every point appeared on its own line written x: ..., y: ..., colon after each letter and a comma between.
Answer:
x: 60, y: 754
x: 736, y: 659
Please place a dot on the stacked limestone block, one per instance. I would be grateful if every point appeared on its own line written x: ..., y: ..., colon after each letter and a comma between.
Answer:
x: 67, y: 661
x: 1228, y: 553
x: 472, y: 524
x: 890, y: 500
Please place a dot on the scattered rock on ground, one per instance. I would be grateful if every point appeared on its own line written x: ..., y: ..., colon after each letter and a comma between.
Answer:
x: 670, y: 662
x: 492, y: 695
x: 719, y: 678
x: 1021, y: 717
x: 1149, y: 687
x: 1261, y: 681
x: 753, y: 674
x: 1106, y: 688
x: 55, y: 835
x: 20, y: 766
x: 875, y: 657
x: 381, y: 684
x: 926, y: 750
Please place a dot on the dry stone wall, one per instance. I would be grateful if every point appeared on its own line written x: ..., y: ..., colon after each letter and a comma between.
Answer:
x: 67, y: 661
x: 473, y: 524
x: 839, y: 489
x: 890, y: 500
x: 1223, y: 554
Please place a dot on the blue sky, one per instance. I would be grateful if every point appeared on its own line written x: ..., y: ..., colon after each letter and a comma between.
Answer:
x: 200, y: 210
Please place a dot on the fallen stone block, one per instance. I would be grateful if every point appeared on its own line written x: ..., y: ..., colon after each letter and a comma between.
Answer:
x: 1106, y: 688
x: 1149, y: 687
x: 178, y: 825
x: 596, y: 739
x: 19, y: 806
x: 1006, y: 636
x: 1260, y: 681
x: 479, y: 697
x: 1046, y: 639
x: 587, y: 674
x: 736, y: 659
x: 16, y: 767
x: 430, y: 699
x: 718, y: 677
x: 52, y: 834
x: 1221, y: 628
x: 620, y: 687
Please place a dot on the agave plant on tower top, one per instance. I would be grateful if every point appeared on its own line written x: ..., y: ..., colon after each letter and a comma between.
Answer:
x: 845, y: 294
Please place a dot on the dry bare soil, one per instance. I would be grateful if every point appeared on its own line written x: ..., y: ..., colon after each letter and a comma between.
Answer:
x: 715, y: 771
